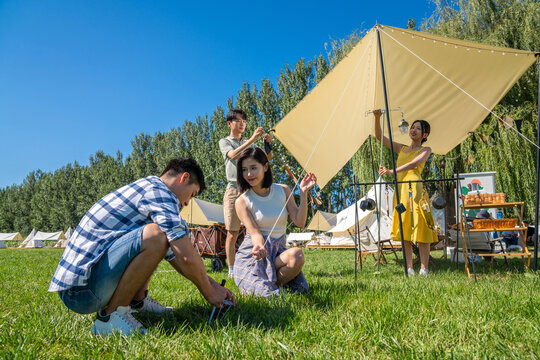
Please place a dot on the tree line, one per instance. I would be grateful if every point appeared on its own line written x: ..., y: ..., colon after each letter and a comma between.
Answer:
x: 52, y: 201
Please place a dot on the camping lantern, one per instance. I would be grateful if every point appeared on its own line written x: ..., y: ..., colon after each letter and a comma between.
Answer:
x: 403, y: 125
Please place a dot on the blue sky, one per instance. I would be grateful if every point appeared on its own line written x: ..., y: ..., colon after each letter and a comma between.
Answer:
x: 82, y: 76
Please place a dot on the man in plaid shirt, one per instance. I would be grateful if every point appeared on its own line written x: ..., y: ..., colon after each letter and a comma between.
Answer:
x: 118, y: 244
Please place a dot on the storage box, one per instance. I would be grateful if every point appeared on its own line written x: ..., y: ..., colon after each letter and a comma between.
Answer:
x: 494, y: 223
x: 481, y: 199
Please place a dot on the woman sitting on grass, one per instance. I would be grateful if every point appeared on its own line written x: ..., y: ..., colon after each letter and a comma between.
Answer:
x: 263, y: 264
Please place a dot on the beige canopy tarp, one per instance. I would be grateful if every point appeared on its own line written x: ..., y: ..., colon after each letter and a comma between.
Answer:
x: 202, y: 212
x: 453, y: 84
x: 322, y: 221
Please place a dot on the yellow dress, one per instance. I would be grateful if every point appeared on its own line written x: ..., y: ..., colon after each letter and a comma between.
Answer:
x: 420, y: 232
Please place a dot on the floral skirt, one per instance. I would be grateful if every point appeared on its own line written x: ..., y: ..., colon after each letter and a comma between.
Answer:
x: 259, y: 277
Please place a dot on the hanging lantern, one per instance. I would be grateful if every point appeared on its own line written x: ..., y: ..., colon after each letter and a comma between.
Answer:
x: 403, y: 125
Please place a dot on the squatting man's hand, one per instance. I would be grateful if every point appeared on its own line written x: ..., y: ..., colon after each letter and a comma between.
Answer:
x: 219, y: 294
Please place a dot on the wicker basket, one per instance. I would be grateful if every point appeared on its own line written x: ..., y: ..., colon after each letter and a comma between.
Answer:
x: 481, y: 199
x: 494, y: 223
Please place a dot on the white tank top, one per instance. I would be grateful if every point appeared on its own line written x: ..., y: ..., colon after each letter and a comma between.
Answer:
x: 266, y: 210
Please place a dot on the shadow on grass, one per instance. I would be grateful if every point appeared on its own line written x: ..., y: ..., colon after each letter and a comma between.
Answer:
x: 249, y: 312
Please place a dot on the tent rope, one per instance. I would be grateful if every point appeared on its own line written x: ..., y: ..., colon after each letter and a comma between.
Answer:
x: 313, y: 151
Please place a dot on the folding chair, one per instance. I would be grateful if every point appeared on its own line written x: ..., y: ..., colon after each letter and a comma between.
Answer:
x: 368, y: 246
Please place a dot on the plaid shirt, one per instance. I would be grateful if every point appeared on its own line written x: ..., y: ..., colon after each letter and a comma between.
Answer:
x: 142, y: 202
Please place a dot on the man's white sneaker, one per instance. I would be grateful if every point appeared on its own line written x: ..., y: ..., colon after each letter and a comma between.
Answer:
x: 424, y: 272
x: 410, y: 272
x: 150, y: 305
x: 120, y: 321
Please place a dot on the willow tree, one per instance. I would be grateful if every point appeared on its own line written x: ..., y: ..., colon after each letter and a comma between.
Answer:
x: 495, y: 147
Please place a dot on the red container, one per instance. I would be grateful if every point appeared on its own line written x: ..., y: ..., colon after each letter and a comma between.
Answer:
x: 210, y: 241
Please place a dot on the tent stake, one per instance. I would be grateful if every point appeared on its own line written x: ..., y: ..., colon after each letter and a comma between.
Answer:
x: 396, y: 193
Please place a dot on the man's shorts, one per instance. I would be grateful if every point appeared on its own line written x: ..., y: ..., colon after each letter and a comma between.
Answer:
x: 232, y: 222
x: 104, y: 275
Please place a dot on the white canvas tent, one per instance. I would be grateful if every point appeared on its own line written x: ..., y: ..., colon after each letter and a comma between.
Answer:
x: 346, y: 219
x: 322, y: 221
x: 300, y: 238
x: 9, y: 237
x: 451, y: 83
x: 49, y: 236
x: 28, y: 238
x: 202, y: 212
x: 38, y: 240
x: 33, y: 243
x: 320, y: 240
x: 62, y: 243
x: 369, y: 222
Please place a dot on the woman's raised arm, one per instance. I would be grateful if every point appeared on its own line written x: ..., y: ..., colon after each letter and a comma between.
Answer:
x: 386, y: 141
x: 298, y: 214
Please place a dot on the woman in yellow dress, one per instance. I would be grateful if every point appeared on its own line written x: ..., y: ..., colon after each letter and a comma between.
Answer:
x: 410, y: 163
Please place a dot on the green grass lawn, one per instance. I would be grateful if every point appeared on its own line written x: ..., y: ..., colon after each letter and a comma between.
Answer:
x: 383, y: 315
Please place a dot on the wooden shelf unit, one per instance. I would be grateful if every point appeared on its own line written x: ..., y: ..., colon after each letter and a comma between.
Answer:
x: 521, y: 230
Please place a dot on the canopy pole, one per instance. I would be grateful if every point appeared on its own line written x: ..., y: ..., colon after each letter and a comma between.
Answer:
x: 378, y: 203
x: 535, y: 263
x: 396, y: 193
x: 355, y: 232
x: 458, y: 215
